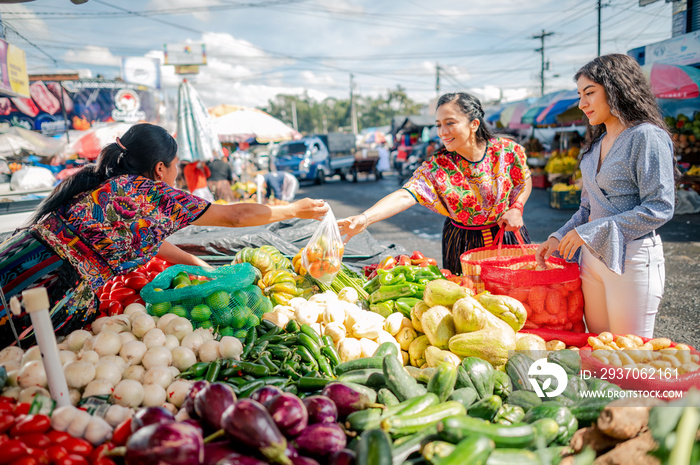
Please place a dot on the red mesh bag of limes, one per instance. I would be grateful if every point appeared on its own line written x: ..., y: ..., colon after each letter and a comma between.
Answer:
x: 224, y: 298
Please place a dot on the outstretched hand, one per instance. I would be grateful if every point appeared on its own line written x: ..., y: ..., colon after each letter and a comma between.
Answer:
x: 310, y: 209
x: 352, y: 226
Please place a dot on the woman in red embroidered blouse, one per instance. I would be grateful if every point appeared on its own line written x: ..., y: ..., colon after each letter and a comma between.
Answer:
x: 108, y: 219
x: 478, y: 181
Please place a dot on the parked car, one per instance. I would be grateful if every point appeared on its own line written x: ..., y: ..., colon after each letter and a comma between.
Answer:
x: 315, y: 157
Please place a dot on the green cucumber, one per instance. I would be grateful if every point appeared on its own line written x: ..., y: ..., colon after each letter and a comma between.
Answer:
x: 456, y: 428
x: 386, y: 397
x: 437, y: 450
x: 443, y: 381
x: 414, y: 405
x: 386, y: 348
x: 502, y: 386
x: 374, y: 448
x: 568, y: 359
x: 371, y: 418
x: 407, y: 445
x: 359, y: 364
x: 474, y: 450
x: 465, y: 396
x: 372, y: 377
x: 422, y: 375
x: 362, y: 420
x: 546, y: 431
x: 398, y: 380
x: 557, y: 412
x: 401, y: 425
x: 481, y: 374
x: 509, y: 414
x: 524, y: 399
x: 588, y: 410
x: 517, y: 368
x: 486, y: 408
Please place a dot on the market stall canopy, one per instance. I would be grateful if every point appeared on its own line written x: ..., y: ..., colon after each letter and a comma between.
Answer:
x: 16, y: 140
x: 244, y: 123
x: 411, y: 123
x: 88, y: 144
x: 511, y: 115
x: 196, y: 139
x: 565, y: 101
x: 538, y: 106
x: 675, y: 107
x: 673, y: 81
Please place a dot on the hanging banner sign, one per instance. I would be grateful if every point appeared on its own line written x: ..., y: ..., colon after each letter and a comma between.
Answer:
x: 680, y: 50
x: 14, y: 81
x: 185, y: 54
x: 142, y: 71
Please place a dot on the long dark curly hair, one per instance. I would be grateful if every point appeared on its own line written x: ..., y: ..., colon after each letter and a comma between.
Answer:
x: 628, y: 93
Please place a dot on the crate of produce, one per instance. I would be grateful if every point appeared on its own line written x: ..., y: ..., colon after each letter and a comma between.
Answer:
x: 568, y: 199
x: 540, y: 181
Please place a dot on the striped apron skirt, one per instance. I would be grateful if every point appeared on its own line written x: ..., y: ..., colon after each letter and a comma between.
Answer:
x: 25, y: 263
x: 457, y: 239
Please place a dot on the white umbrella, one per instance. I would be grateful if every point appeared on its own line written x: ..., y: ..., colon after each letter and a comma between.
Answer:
x: 196, y: 139
x: 244, y: 123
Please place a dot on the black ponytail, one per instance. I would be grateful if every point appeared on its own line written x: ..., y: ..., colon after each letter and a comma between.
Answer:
x: 470, y: 106
x: 138, y: 152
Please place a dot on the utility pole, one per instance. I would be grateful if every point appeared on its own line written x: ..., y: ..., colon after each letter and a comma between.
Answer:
x: 353, y: 116
x: 600, y: 7
x: 437, y: 80
x: 542, y: 36
x: 294, y: 115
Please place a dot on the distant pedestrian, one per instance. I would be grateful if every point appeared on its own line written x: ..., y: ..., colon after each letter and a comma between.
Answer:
x: 219, y: 181
x: 196, y: 175
x: 628, y: 192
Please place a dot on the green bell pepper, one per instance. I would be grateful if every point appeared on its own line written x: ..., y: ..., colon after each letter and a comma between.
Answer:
x: 390, y: 278
x: 385, y: 308
x: 431, y: 272
x: 396, y: 291
x: 406, y: 304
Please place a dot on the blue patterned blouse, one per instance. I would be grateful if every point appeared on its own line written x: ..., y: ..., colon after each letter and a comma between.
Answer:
x: 631, y: 196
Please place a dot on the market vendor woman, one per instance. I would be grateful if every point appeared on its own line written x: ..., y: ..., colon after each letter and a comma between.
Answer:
x: 478, y: 181
x: 108, y: 219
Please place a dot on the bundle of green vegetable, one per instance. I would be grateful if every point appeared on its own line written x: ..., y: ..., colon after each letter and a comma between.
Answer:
x: 294, y: 359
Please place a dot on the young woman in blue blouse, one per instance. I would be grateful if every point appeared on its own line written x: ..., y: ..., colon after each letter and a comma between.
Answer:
x: 628, y: 192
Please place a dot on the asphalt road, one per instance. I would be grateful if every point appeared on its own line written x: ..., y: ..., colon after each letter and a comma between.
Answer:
x: 420, y: 229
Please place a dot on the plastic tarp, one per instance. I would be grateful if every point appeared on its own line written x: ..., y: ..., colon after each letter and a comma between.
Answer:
x: 287, y: 236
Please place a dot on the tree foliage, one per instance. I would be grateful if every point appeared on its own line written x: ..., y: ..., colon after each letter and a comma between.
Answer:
x: 332, y: 114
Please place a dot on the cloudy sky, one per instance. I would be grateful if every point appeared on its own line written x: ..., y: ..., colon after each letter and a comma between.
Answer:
x: 259, y: 48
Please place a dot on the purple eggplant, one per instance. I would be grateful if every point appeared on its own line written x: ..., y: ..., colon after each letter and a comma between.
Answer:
x: 165, y: 444
x: 150, y: 416
x: 265, y: 393
x: 350, y: 397
x: 196, y: 423
x: 211, y: 402
x: 238, y: 459
x: 291, y: 451
x: 321, y: 409
x: 304, y: 461
x: 289, y: 413
x: 215, y: 451
x: 321, y: 440
x: 249, y: 423
x: 343, y: 457
x: 188, y: 404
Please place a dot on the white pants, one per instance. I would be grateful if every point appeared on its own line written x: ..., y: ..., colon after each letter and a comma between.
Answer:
x: 627, y: 303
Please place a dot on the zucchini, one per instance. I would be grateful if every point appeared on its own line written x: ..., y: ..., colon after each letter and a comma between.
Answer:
x: 386, y: 397
x: 443, y: 381
x: 588, y: 410
x: 410, y: 444
x: 401, y: 425
x: 568, y: 359
x: 386, y: 348
x: 517, y: 368
x: 413, y: 406
x: 487, y: 408
x: 502, y: 386
x: 399, y: 381
x: 565, y: 419
x: 524, y: 399
x: 474, y: 450
x: 437, y: 450
x: 362, y: 420
x: 374, y: 448
x: 463, y: 379
x: 358, y: 364
x: 422, y: 375
x: 481, y: 374
x: 465, y: 396
x: 457, y: 428
x: 372, y: 377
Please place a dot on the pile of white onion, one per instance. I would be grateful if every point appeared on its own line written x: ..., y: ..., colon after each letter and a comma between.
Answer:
x: 134, y: 358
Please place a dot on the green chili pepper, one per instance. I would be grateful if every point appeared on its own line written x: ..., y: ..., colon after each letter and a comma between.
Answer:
x: 307, y: 357
x: 310, y: 332
x: 270, y: 334
x: 396, y: 291
x: 387, y: 279
x: 278, y: 381
x: 265, y: 360
x: 325, y: 366
x: 195, y: 371
x: 308, y: 342
x: 327, y: 341
x: 268, y: 325
x: 406, y: 304
x: 292, y: 326
x: 373, y: 284
x: 330, y: 353
x: 213, y: 371
x: 239, y: 367
x: 248, y: 389
x: 279, y: 352
x: 307, y: 383
x: 291, y: 372
x: 257, y: 350
x: 431, y: 272
x: 250, y: 339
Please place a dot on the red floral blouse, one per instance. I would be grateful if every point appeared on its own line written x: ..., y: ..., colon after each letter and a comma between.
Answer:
x: 472, y: 193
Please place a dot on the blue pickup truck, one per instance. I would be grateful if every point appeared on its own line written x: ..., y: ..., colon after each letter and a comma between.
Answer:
x: 315, y: 157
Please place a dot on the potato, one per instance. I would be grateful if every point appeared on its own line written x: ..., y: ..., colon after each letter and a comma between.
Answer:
x: 555, y: 344
x: 636, y: 339
x: 660, y: 343
x: 605, y: 337
x: 625, y: 343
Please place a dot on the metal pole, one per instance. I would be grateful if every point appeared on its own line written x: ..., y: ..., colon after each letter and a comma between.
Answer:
x: 437, y: 80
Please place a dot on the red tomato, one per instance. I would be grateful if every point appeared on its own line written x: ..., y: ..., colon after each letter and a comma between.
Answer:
x: 121, y: 433
x: 136, y: 298
x: 21, y: 409
x: 55, y: 452
x: 57, y: 437
x: 77, y: 446
x: 121, y: 293
x: 38, y: 455
x: 12, y: 450
x: 104, y: 461
x: 155, y: 266
x: 6, y: 405
x: 6, y: 421
x: 35, y: 440
x: 99, y: 451
x: 26, y: 460
x: 72, y: 459
x: 111, y: 307
x: 31, y: 424
x: 103, y: 296
x: 136, y: 282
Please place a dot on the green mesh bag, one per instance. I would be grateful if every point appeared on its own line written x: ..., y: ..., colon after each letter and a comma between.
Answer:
x: 224, y: 299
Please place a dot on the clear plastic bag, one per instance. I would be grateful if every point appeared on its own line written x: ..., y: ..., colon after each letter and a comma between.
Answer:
x: 323, y: 254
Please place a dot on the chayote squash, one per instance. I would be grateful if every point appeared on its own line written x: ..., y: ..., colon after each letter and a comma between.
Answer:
x: 256, y: 257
